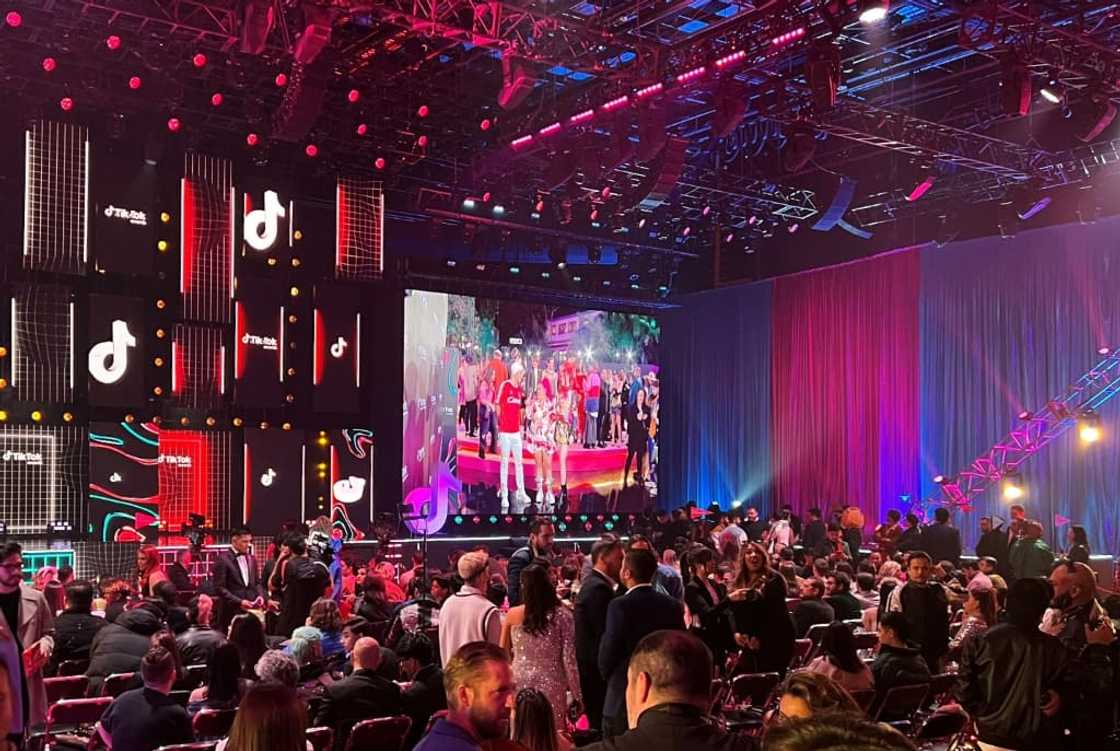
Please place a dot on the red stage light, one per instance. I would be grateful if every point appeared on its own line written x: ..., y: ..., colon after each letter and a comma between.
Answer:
x: 687, y: 231
x: 216, y: 99
x: 173, y: 125
x: 362, y: 129
x: 605, y: 192
x: 539, y: 207
x: 486, y: 197
x: 49, y: 64
x: 134, y: 83
x: 66, y: 103
x: 423, y: 111
x: 353, y: 96
x: 379, y: 162
x: 485, y: 124
x: 422, y: 141
x: 252, y: 139
x: 14, y: 19
x: 281, y: 79
x: 199, y: 60
x: 594, y: 214
x: 312, y: 150
x: 113, y: 42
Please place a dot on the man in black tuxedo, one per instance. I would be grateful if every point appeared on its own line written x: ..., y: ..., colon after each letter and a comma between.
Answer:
x: 595, y: 594
x: 361, y: 696
x: 941, y: 539
x: 236, y: 581
x: 641, y: 611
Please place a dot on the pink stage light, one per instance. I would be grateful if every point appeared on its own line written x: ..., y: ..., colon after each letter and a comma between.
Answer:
x: 362, y: 129
x: 49, y: 64
x: 706, y: 210
x: 691, y: 75
x: 13, y: 19
x: 379, y: 162
x: 486, y: 197
x: 422, y: 141
x: 789, y: 36
x: 311, y: 150
x: 735, y: 57
x: 134, y: 83
x: 687, y: 231
x: 921, y: 189
x: 216, y: 99
x: 252, y: 139
x: 517, y: 143
x: 66, y: 103
x: 485, y: 124
x: 423, y: 111
x: 581, y: 117
x: 605, y: 192
x: 594, y: 214
x: 281, y: 79
x: 539, y: 207
x: 199, y: 60
x: 113, y: 42
x: 649, y: 91
x: 353, y: 95
x: 615, y: 103
x: 173, y: 125
x: 548, y: 130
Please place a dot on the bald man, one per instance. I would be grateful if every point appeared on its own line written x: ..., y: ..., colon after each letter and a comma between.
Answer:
x: 360, y: 696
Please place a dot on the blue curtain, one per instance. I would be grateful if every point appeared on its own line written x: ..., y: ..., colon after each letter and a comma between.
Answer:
x: 1005, y: 326
x: 715, y: 395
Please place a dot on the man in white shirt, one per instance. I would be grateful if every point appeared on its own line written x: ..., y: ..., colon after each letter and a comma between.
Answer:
x: 467, y: 615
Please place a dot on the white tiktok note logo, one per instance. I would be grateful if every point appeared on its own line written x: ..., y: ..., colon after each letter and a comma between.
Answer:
x: 108, y: 361
x: 262, y: 226
x: 268, y: 477
x: 349, y: 490
x: 339, y: 347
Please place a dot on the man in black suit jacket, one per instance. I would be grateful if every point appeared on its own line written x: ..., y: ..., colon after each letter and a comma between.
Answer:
x: 363, y: 695
x: 641, y: 611
x: 941, y: 540
x: 595, y: 594
x: 236, y: 581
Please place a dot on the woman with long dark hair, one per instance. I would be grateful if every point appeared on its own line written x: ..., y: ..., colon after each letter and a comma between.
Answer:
x: 224, y: 685
x: 149, y: 571
x: 1078, y: 541
x: 763, y: 628
x: 637, y: 433
x: 839, y: 659
x: 979, y: 615
x: 707, y: 601
x: 271, y: 717
x: 533, y: 725
x: 541, y: 635
x: 246, y: 632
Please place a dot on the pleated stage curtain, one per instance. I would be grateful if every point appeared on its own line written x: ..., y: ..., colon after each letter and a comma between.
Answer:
x: 715, y: 394
x: 844, y: 385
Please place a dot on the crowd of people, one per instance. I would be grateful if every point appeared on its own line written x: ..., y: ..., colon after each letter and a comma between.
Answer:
x: 624, y: 649
x: 546, y: 407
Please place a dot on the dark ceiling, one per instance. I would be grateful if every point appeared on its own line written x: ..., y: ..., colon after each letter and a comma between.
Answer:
x: 922, y: 96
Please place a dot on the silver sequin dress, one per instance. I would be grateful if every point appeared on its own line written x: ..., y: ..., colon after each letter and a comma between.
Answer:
x: 547, y: 662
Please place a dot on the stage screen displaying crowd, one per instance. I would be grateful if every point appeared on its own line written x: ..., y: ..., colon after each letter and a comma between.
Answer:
x: 519, y: 408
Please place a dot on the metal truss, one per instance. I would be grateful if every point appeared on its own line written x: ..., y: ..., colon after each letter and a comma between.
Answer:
x: 213, y: 21
x: 763, y: 196
x: 548, y: 39
x: 1033, y: 432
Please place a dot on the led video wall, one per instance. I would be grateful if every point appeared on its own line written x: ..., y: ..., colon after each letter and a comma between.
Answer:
x: 183, y: 336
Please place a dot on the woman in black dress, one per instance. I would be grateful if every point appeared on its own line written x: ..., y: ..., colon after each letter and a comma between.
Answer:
x: 637, y: 436
x: 1078, y: 544
x: 707, y: 601
x: 763, y: 628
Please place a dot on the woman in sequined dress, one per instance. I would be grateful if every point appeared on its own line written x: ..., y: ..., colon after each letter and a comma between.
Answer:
x: 541, y: 636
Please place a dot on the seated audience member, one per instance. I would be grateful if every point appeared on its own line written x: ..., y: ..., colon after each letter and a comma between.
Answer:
x: 809, y: 694
x: 120, y: 646
x: 276, y: 667
x: 424, y: 696
x: 925, y: 605
x: 1010, y: 675
x: 847, y: 731
x: 897, y: 664
x: 361, y: 696
x: 271, y: 718
x: 979, y: 613
x: 174, y: 613
x: 307, y: 649
x: 375, y: 607
x: 534, y: 726
x: 246, y: 632
x: 844, y: 603
x: 224, y: 684
x: 75, y: 627
x: 478, y: 681
x: 866, y: 593
x: 812, y: 609
x: 198, y: 642
x: 65, y: 575
x: 146, y: 718
x: 326, y: 617
x: 839, y: 660
x: 179, y: 572
x: 422, y: 611
x: 115, y: 592
x: 668, y: 697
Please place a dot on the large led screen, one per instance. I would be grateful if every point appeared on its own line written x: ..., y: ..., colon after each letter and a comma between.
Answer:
x: 520, y: 408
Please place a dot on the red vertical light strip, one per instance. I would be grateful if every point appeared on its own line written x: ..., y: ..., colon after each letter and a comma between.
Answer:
x: 342, y: 230
x: 247, y: 501
x: 320, y: 347
x: 239, y: 353
x: 202, y: 476
x: 186, y: 235
x: 220, y: 368
x: 179, y: 371
x: 358, y: 350
x: 336, y: 471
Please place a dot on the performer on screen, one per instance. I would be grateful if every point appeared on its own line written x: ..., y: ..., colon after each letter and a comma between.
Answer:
x: 487, y: 419
x: 510, y: 405
x: 236, y: 581
x: 562, y: 438
x: 540, y: 437
x: 637, y: 435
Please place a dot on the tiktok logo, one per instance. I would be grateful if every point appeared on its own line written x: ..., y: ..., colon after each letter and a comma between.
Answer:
x: 109, y: 360
x: 339, y: 347
x: 349, y: 490
x: 262, y: 226
x: 268, y: 477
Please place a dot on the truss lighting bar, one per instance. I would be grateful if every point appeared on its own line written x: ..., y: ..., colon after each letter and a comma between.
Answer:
x: 649, y: 91
x: 737, y: 56
x: 517, y: 143
x: 790, y: 36
x: 581, y: 117
x: 548, y: 130
x: 692, y: 75
x: 616, y: 103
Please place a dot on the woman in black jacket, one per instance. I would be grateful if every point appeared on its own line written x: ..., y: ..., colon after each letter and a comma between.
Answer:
x: 763, y: 627
x: 637, y: 432
x: 1078, y: 545
x: 707, y: 601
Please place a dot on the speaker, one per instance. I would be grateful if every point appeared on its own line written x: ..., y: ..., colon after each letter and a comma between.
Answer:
x: 663, y: 177
x: 303, y: 100
x: 517, y: 81
x: 257, y: 18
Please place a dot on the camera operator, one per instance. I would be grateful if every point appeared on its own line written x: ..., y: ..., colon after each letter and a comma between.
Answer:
x: 296, y: 582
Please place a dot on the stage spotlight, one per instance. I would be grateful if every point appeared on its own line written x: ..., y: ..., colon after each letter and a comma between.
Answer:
x: 173, y: 124
x: 1013, y: 488
x: 66, y: 104
x: 939, y: 479
x: 199, y: 60
x: 3, y: 415
x: 379, y: 162
x: 1103, y: 351
x: 135, y: 83
x: 37, y: 416
x: 13, y: 19
x: 49, y: 64
x: 1089, y: 426
x: 822, y: 70
x: 1052, y: 93
x: 113, y: 42
x: 873, y: 11
x: 237, y: 422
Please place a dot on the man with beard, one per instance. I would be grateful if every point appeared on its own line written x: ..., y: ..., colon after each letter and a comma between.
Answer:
x: 479, y: 683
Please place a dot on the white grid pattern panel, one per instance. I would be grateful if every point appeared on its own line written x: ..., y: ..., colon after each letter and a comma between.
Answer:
x: 42, y: 335
x: 207, y: 242
x: 56, y: 197
x: 359, y: 228
x: 198, y: 377
x: 42, y: 476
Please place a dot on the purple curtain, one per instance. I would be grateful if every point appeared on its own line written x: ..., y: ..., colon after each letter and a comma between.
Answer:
x: 844, y: 386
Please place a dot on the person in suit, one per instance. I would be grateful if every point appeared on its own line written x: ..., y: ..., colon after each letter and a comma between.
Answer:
x: 236, y: 582
x: 911, y: 537
x: 815, y: 531
x: 179, y: 572
x: 993, y: 544
x: 595, y: 595
x: 641, y: 611
x: 942, y: 540
x: 361, y: 696
x: 424, y: 696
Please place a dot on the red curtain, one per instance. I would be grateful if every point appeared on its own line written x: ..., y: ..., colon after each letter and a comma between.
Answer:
x: 844, y: 386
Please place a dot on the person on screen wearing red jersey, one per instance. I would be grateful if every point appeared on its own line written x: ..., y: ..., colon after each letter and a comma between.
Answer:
x: 510, y: 404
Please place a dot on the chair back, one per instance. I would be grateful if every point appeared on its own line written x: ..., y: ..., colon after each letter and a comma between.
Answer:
x: 73, y: 667
x: 940, y: 687
x: 754, y: 688
x: 213, y: 723
x: 77, y: 711
x: 866, y: 641
x: 801, y: 650
x: 432, y: 632
x: 382, y: 733
x: 719, y: 692
x: 853, y: 623
x: 320, y: 738
x: 116, y: 684
x: 942, y: 726
x: 66, y: 687
x: 864, y: 697
x: 194, y: 676
x: 201, y: 746
x: 816, y: 632
x: 902, y: 702
x: 182, y: 698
